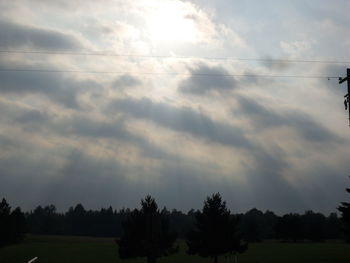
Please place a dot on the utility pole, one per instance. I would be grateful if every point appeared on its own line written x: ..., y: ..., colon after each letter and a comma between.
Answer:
x: 347, y: 96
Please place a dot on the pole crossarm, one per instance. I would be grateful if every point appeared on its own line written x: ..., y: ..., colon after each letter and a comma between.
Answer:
x: 347, y: 96
x: 341, y: 80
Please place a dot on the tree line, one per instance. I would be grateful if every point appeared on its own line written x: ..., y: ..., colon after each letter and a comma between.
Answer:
x: 255, y: 225
x: 150, y: 232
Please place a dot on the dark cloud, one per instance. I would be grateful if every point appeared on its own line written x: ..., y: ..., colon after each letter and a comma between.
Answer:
x: 114, y: 129
x: 126, y: 81
x: 32, y: 116
x: 263, y: 186
x: 323, y: 186
x: 12, y: 112
x: 77, y: 126
x: 264, y: 118
x: 250, y: 78
x: 98, y: 182
x: 280, y: 64
x: 18, y: 36
x: 83, y: 174
x: 80, y: 178
x: 268, y: 185
x: 90, y: 127
x: 204, y: 80
x: 182, y: 119
x: 111, y: 182
x: 28, y: 118
x: 83, y: 177
x: 57, y: 87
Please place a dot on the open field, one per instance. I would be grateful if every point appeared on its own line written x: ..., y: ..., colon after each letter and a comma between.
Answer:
x: 53, y: 249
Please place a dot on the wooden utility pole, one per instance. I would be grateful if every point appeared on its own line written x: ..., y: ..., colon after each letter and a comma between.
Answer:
x: 347, y: 96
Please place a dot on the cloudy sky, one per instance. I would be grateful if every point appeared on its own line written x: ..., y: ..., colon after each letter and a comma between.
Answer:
x: 103, y: 102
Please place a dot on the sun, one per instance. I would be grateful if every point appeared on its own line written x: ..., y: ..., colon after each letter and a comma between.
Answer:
x: 169, y: 22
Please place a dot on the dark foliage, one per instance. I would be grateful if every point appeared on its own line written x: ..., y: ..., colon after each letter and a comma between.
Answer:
x: 289, y: 228
x: 216, y: 231
x: 252, y: 225
x: 333, y: 229
x: 181, y: 223
x: 146, y: 233
x: 314, y: 226
x: 255, y: 225
x: 345, y: 213
x: 12, y: 224
x: 45, y: 221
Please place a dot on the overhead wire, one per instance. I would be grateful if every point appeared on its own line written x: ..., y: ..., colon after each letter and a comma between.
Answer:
x: 111, y: 54
x: 166, y: 73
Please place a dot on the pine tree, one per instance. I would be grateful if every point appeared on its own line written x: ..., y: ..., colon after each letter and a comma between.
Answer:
x: 12, y: 224
x: 146, y: 233
x: 345, y: 211
x: 5, y: 231
x: 216, y: 231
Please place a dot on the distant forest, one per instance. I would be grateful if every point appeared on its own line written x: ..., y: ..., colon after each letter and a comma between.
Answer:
x: 254, y: 225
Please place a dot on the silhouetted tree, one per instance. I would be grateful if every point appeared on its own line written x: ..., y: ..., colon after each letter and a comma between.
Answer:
x: 12, y: 224
x: 45, y: 221
x: 314, y: 226
x: 77, y: 220
x: 252, y: 225
x: 345, y: 213
x: 18, y: 225
x: 146, y: 233
x: 333, y: 226
x: 216, y: 231
x: 269, y: 225
x: 107, y: 222
x: 5, y: 234
x: 290, y: 227
x: 180, y: 223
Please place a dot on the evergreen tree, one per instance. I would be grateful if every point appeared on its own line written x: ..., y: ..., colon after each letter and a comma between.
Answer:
x: 12, y: 224
x: 146, y: 233
x: 18, y: 225
x: 314, y: 226
x: 5, y: 234
x: 290, y: 228
x: 216, y: 231
x: 345, y: 213
x: 252, y: 225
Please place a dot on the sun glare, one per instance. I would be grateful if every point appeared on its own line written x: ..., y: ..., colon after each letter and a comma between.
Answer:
x: 169, y: 22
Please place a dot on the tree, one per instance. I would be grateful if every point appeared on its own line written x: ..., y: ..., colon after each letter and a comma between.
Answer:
x: 12, y: 224
x: 345, y: 216
x: 77, y: 220
x: 314, y: 225
x: 146, y: 233
x: 290, y: 228
x: 5, y: 234
x: 45, y: 221
x: 251, y: 223
x: 333, y: 226
x: 216, y: 231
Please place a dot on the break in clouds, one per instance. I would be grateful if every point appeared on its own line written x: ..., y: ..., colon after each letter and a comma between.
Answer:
x: 169, y: 120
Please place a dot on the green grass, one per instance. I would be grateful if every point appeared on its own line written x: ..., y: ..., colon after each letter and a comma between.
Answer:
x: 52, y: 249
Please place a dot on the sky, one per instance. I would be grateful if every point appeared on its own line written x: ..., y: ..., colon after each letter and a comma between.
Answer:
x: 104, y: 102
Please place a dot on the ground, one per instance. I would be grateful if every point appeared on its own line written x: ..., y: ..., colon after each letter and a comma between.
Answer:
x: 54, y: 249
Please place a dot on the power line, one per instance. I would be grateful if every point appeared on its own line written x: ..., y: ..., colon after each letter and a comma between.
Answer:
x: 110, y: 54
x: 166, y: 73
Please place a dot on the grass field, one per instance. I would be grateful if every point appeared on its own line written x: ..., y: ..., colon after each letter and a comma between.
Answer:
x: 52, y: 249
